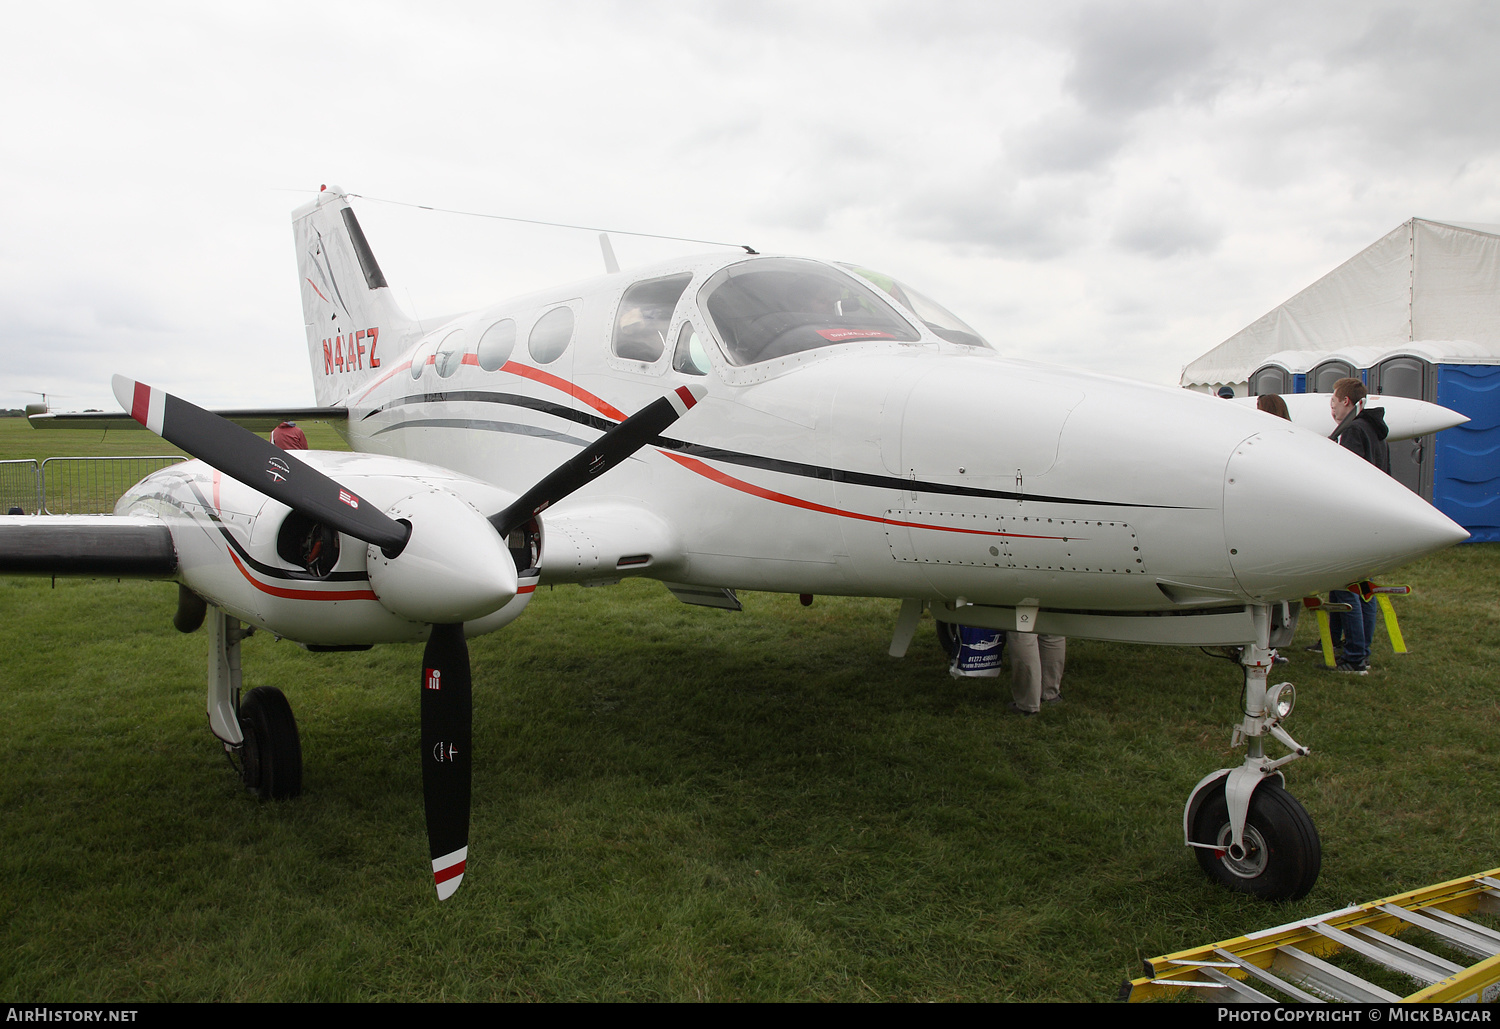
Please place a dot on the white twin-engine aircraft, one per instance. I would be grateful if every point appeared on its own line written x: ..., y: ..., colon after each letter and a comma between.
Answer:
x: 794, y: 426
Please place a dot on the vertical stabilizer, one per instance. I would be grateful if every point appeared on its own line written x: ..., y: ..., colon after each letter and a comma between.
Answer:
x: 354, y: 327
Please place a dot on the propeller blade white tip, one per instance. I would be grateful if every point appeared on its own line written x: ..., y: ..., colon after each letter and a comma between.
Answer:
x: 124, y: 390
x: 448, y: 872
x: 685, y: 397
x: 143, y: 403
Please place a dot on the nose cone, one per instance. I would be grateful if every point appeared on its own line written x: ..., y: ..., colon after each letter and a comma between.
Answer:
x: 1303, y: 515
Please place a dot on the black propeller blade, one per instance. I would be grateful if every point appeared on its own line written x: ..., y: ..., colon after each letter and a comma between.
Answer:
x: 598, y: 457
x: 447, y: 768
x: 258, y: 464
x: 447, y: 688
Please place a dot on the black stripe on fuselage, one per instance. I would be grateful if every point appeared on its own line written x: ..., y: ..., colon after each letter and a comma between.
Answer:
x: 708, y: 453
x: 812, y: 471
x: 515, y: 428
x: 489, y: 397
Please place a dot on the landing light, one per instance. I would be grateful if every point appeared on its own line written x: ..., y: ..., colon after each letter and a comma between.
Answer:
x: 1280, y: 699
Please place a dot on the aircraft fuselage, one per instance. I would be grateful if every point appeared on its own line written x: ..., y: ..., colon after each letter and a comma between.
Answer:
x: 922, y: 469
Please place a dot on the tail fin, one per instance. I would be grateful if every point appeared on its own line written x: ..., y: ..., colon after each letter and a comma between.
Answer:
x: 354, y: 327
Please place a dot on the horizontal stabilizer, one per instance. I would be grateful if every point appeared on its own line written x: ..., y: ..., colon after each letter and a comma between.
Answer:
x: 90, y: 546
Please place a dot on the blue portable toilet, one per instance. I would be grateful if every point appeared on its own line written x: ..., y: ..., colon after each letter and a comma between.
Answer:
x: 1458, y: 469
x: 1344, y: 363
x: 1285, y: 372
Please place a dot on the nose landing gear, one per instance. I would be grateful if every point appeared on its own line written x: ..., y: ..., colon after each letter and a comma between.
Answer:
x: 1249, y: 834
x: 271, y: 756
x: 1280, y: 855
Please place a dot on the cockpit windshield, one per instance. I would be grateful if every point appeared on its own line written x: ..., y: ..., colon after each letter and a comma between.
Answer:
x: 942, y: 322
x: 778, y: 306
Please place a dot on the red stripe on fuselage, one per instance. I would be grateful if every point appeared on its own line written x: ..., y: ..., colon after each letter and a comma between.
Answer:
x: 403, y: 366
x: 604, y: 407
x: 692, y: 464
x: 289, y: 594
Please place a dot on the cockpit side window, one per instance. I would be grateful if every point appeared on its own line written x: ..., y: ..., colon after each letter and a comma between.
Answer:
x: 942, y: 322
x: 778, y: 306
x: 645, y: 315
x: 690, y: 357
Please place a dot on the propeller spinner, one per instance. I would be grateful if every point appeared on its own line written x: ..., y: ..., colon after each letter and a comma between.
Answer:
x: 432, y: 559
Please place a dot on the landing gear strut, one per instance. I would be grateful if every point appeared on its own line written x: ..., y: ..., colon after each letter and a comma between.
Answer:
x: 1249, y: 834
x: 259, y: 729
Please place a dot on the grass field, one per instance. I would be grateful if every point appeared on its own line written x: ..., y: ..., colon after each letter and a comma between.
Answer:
x: 676, y: 803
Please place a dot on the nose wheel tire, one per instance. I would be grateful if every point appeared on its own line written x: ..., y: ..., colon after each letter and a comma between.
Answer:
x: 1282, y: 853
x: 271, y: 757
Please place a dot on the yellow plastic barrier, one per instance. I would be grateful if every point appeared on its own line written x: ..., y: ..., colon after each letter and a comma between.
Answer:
x: 1382, y: 596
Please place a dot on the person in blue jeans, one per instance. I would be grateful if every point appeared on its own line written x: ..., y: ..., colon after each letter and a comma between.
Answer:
x: 1363, y: 431
x: 1355, y: 629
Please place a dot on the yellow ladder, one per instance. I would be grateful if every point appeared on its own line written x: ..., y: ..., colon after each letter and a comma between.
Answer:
x: 1290, y: 962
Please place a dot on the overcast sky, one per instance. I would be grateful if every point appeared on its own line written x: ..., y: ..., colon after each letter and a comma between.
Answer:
x: 1109, y: 186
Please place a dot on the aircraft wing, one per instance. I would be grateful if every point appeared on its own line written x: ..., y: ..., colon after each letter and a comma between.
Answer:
x: 90, y: 546
x: 254, y: 419
x: 1404, y: 417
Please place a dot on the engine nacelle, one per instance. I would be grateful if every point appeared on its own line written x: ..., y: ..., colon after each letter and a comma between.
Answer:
x: 279, y: 570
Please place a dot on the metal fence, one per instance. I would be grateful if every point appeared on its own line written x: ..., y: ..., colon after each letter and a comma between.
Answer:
x: 20, y: 487
x: 91, y: 485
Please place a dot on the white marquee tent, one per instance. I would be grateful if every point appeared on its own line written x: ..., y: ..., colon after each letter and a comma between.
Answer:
x: 1424, y: 280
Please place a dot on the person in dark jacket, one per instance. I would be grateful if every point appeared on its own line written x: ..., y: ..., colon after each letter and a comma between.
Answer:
x: 1362, y: 430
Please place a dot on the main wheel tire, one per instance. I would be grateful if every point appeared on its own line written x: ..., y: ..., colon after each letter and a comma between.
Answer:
x: 1283, y: 854
x: 947, y: 634
x: 271, y: 757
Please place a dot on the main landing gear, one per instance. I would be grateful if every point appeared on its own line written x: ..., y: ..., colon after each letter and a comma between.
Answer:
x: 259, y: 728
x: 1249, y: 833
x: 271, y: 756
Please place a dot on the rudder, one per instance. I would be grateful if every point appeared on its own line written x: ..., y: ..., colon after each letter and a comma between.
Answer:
x: 354, y: 326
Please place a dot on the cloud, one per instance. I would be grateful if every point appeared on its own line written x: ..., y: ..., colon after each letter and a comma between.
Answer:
x: 1035, y: 219
x: 1048, y: 162
x: 1167, y: 233
x: 1165, y: 223
x: 1066, y: 141
x: 1431, y: 75
x: 1131, y: 57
